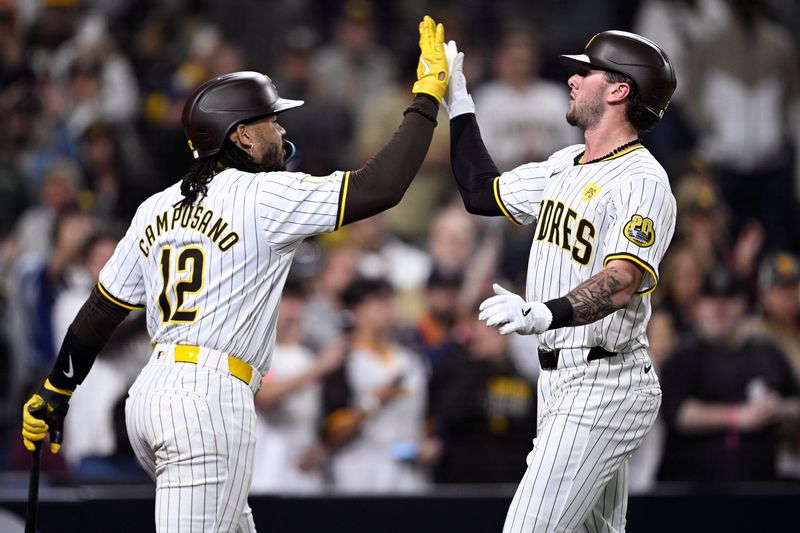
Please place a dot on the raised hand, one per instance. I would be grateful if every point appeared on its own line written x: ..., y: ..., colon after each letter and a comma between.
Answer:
x: 432, y: 73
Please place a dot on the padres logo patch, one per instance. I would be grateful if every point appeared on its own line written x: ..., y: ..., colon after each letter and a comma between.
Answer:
x: 639, y: 230
x: 590, y: 191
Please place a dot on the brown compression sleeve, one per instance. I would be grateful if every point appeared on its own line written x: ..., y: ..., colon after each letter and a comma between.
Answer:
x: 473, y: 167
x: 86, y: 336
x: 382, y: 181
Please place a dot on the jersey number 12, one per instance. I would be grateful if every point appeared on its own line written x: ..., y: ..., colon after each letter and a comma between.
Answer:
x: 190, y: 260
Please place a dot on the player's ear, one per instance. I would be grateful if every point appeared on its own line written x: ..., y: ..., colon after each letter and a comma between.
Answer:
x: 619, y: 91
x: 240, y: 135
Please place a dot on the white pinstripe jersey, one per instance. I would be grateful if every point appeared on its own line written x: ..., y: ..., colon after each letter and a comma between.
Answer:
x: 587, y: 215
x: 211, y: 275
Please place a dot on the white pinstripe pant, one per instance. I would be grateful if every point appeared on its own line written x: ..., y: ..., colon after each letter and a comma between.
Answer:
x: 590, y: 419
x: 193, y: 430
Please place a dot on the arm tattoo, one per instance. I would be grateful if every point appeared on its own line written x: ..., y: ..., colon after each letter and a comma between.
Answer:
x: 594, y: 298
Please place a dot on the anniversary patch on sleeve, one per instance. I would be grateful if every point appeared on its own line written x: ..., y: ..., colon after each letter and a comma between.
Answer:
x: 640, y: 231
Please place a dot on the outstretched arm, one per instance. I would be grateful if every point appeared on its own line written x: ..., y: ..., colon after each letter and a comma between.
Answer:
x: 473, y: 167
x: 381, y: 183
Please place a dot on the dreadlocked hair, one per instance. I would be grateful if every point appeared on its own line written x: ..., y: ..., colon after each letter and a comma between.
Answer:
x: 194, y: 185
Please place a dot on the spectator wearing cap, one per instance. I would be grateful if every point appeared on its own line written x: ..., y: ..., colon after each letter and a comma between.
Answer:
x: 779, y: 321
x: 704, y: 225
x: 725, y: 394
x: 779, y: 301
x: 376, y: 403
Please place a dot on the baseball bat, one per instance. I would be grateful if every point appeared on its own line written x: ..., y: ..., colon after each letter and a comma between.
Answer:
x: 33, y: 490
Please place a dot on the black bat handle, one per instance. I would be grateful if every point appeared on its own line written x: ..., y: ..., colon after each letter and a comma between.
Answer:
x: 33, y: 490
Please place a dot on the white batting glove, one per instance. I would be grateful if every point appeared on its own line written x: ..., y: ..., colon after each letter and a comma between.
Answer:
x: 513, y: 314
x: 457, y: 100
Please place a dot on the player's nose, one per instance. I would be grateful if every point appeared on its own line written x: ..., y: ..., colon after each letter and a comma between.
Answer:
x: 573, y: 81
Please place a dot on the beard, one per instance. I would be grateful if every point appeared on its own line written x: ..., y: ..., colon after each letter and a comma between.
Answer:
x: 587, y: 115
x: 272, y: 160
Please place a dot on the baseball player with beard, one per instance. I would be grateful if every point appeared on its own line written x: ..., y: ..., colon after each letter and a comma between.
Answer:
x: 207, y: 258
x: 604, y: 216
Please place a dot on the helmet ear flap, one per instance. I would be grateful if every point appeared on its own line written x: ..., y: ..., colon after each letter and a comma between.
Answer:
x: 290, y: 150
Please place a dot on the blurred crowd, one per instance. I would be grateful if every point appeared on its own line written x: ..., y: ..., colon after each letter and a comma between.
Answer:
x: 383, y: 379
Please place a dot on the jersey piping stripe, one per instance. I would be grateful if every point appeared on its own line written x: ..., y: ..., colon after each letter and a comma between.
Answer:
x: 117, y: 301
x: 496, y: 188
x: 343, y: 199
x: 630, y: 257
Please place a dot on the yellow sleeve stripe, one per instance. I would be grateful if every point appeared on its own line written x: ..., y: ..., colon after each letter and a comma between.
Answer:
x: 120, y: 303
x: 633, y: 259
x: 345, y: 184
x: 496, y: 187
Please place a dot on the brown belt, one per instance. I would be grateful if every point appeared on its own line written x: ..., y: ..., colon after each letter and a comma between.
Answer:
x: 548, y: 359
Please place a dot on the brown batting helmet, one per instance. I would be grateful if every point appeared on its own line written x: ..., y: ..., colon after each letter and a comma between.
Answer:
x: 219, y: 104
x: 639, y: 58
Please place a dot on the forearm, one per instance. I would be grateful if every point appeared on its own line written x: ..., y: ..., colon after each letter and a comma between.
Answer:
x: 473, y: 167
x: 86, y: 336
x: 274, y: 390
x: 600, y: 295
x: 382, y: 181
x: 790, y: 409
x: 696, y: 417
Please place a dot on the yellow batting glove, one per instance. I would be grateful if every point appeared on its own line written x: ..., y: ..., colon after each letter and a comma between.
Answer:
x: 44, y: 414
x: 432, y: 68
x: 33, y: 429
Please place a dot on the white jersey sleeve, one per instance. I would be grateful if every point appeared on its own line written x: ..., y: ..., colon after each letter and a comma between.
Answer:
x: 643, y: 227
x: 293, y: 206
x: 519, y: 192
x: 122, y: 278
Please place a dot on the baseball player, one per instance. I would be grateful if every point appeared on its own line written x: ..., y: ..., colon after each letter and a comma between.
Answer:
x: 604, y: 217
x: 207, y: 259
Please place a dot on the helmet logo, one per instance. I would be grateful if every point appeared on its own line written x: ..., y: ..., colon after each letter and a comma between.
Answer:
x: 195, y: 154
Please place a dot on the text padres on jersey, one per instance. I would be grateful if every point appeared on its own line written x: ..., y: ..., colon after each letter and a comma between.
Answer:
x: 194, y: 217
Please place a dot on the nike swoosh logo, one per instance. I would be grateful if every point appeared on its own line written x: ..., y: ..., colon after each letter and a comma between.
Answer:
x: 71, y: 370
x: 424, y: 64
x: 526, y: 311
x: 647, y: 368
